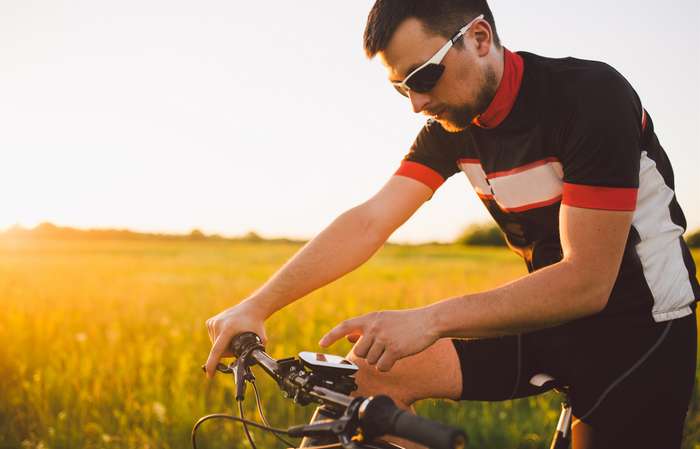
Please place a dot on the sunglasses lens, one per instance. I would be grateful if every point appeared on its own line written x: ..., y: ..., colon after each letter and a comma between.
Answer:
x: 400, y: 90
x: 426, y: 78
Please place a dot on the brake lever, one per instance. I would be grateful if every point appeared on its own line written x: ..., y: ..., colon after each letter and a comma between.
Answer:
x: 220, y: 367
x: 241, y: 373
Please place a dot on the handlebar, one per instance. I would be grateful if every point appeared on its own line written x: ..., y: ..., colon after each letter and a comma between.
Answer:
x: 380, y: 416
x: 373, y: 417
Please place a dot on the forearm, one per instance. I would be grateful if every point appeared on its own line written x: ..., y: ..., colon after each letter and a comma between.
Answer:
x: 545, y: 298
x: 345, y: 244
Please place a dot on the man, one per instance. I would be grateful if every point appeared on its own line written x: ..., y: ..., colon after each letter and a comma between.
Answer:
x: 565, y: 158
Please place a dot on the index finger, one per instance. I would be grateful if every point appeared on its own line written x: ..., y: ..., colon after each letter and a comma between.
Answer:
x: 217, y: 349
x: 351, y: 326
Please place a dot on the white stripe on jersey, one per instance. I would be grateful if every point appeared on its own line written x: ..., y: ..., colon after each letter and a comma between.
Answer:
x: 518, y: 190
x: 660, y: 247
x: 476, y: 177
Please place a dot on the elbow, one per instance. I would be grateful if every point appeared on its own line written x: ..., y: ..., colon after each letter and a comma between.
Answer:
x: 592, y: 287
x: 597, y: 294
x: 599, y: 302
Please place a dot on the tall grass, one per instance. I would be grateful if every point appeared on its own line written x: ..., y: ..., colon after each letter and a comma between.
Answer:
x: 102, y: 341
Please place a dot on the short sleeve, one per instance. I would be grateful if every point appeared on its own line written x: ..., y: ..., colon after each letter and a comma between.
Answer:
x: 431, y: 159
x: 601, y: 148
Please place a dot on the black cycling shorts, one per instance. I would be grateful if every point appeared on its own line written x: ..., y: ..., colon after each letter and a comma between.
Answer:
x: 631, y: 380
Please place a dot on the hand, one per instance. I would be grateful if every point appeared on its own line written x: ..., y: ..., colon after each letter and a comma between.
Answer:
x: 385, y: 337
x: 242, y: 317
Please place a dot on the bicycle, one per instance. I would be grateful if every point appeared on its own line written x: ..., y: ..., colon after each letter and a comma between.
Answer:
x: 343, y: 421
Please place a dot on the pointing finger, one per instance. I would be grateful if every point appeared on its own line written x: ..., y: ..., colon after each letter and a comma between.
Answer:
x: 351, y: 326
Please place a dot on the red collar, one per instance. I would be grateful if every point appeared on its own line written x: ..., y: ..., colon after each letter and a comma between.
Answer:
x: 506, y: 93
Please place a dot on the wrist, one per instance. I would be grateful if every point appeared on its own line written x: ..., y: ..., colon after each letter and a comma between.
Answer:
x: 258, y: 306
x: 435, y: 318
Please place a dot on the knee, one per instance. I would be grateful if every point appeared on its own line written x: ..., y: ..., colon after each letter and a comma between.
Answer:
x: 372, y: 382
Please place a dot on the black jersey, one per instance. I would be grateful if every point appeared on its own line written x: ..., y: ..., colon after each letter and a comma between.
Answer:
x: 574, y: 132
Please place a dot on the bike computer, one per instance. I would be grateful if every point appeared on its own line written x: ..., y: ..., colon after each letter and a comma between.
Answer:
x: 332, y: 365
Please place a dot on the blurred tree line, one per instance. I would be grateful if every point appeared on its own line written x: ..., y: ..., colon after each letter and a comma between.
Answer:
x: 490, y: 235
x: 49, y: 231
x: 693, y: 239
x: 484, y: 234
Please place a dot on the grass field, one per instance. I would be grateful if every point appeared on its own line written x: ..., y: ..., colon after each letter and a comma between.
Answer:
x: 102, y: 341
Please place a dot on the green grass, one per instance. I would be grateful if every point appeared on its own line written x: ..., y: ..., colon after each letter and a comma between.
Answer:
x: 102, y: 341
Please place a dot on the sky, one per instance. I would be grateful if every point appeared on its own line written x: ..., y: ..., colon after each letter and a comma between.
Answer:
x: 231, y: 116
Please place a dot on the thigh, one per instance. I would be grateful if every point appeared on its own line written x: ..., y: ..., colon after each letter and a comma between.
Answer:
x: 646, y: 405
x: 498, y: 369
x: 432, y: 373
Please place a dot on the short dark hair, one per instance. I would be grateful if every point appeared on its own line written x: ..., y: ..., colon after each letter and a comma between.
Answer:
x: 441, y: 17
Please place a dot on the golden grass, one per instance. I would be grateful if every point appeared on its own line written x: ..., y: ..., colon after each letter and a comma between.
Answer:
x: 102, y: 341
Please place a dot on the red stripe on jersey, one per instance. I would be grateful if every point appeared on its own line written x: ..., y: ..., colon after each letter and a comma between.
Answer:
x: 421, y: 173
x: 525, y: 207
x: 644, y: 120
x: 468, y: 161
x: 605, y: 198
x: 506, y: 93
x: 522, y: 168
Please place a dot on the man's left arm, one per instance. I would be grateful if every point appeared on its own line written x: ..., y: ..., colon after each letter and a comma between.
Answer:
x: 593, y: 242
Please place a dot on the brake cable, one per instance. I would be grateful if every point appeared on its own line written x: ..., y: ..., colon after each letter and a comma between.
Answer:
x: 262, y: 415
x: 232, y: 418
x: 247, y: 376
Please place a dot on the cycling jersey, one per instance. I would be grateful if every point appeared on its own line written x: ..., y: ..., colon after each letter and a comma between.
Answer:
x: 574, y: 132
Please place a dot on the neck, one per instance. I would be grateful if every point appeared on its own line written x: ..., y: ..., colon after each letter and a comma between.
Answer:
x: 497, y: 63
x: 508, y: 71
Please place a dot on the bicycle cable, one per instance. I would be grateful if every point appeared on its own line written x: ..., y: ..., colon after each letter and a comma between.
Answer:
x: 245, y: 425
x: 232, y: 418
x: 263, y: 418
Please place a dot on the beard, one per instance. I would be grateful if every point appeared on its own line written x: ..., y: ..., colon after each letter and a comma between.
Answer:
x: 457, y: 118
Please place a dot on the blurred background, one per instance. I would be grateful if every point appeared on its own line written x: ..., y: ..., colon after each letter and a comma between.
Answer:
x: 205, y: 141
x: 232, y: 116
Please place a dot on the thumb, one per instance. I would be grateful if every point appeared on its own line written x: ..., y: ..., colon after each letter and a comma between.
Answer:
x: 352, y: 338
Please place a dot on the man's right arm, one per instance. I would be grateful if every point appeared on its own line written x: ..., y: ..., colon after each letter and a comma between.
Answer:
x: 348, y: 242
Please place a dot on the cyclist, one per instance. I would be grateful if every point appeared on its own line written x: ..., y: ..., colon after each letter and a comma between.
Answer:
x: 565, y: 158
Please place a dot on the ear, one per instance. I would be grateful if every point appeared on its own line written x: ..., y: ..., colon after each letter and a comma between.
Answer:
x: 483, y: 35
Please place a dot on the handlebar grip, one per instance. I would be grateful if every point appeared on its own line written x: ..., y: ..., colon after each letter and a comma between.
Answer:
x: 381, y: 417
x: 242, y: 342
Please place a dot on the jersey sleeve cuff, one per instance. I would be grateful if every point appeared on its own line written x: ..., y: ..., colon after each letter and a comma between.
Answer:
x: 422, y: 173
x: 604, y: 198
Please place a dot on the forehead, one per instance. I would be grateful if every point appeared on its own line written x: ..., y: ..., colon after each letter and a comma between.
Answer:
x: 409, y: 47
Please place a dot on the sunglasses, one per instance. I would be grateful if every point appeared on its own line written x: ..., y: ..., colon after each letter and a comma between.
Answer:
x: 425, y: 77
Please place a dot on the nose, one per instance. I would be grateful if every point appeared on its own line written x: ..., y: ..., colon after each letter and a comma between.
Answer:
x: 418, y: 100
